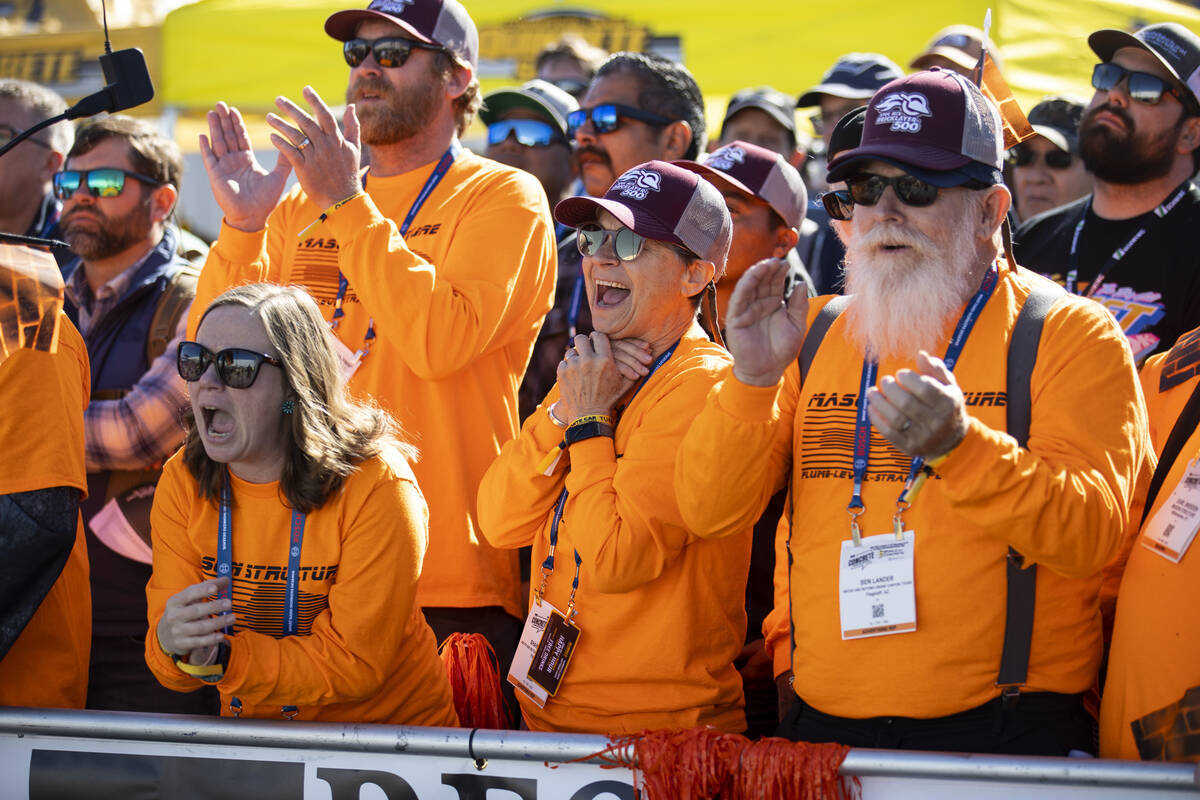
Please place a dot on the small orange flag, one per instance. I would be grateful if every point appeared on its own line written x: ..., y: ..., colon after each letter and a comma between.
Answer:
x: 995, y: 88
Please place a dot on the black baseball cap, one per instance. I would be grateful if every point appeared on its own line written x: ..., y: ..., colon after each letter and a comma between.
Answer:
x: 855, y: 76
x: 765, y: 98
x: 1174, y: 46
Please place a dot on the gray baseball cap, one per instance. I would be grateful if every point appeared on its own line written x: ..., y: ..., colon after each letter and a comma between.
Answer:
x: 537, y: 95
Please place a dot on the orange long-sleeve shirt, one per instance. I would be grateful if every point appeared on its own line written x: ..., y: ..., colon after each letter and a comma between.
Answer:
x: 1155, y: 655
x: 1063, y: 503
x: 42, y: 398
x: 662, y: 613
x: 457, y: 304
x: 364, y: 652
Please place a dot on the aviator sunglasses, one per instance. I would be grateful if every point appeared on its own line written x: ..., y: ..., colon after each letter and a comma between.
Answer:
x: 237, y: 368
x: 606, y: 118
x: 627, y: 245
x: 1142, y: 86
x: 1024, y: 156
x: 106, y: 182
x: 390, y: 51
x: 529, y: 132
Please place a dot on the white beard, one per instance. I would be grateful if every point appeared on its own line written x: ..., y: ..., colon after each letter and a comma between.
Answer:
x: 905, y: 301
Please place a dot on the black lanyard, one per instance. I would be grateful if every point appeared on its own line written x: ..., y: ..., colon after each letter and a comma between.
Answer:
x: 1160, y: 212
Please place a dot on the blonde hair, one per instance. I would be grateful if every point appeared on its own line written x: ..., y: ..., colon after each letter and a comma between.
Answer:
x: 329, y: 434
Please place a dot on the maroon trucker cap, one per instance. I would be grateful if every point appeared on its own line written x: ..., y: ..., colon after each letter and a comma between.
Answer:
x: 445, y: 23
x: 934, y: 124
x: 757, y: 172
x: 663, y: 202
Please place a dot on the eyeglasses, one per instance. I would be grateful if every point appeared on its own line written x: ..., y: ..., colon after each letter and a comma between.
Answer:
x: 529, y: 132
x: 237, y: 368
x: 1142, y: 86
x: 866, y: 189
x: 627, y: 245
x: 390, y: 51
x: 607, y: 118
x: 105, y: 182
x: 8, y: 133
x: 1024, y: 156
x: 838, y: 205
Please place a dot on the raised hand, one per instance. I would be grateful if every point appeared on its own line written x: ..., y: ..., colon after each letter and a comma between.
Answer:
x: 326, y: 159
x: 589, y: 378
x: 762, y: 330
x: 245, y: 191
x: 921, y: 412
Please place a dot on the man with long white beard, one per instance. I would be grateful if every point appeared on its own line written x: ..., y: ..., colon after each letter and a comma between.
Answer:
x: 434, y: 268
x: 895, y: 595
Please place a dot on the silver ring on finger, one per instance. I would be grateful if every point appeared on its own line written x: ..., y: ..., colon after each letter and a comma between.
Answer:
x: 305, y: 142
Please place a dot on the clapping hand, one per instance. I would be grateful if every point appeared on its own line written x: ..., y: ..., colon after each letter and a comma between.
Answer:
x: 764, y: 331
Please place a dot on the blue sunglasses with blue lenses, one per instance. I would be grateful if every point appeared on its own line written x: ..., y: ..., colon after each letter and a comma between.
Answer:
x: 529, y: 132
x: 607, y: 118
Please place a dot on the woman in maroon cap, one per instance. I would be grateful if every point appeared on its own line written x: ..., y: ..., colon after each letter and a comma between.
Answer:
x: 634, y: 621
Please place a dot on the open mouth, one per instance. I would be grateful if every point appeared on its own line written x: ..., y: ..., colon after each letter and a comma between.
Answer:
x: 610, y: 294
x: 218, y: 424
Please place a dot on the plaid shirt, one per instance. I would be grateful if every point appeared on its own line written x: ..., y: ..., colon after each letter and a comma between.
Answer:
x: 143, y: 428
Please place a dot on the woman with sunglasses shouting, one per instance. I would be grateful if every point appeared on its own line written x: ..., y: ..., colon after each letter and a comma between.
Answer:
x: 634, y: 622
x: 289, y: 532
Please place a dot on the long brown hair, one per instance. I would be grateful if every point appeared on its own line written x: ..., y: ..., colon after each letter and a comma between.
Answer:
x: 329, y: 434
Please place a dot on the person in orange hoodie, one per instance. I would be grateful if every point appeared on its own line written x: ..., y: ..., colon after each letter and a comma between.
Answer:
x: 894, y: 596
x: 295, y: 506
x: 634, y: 621
x: 45, y: 603
x: 1153, y: 683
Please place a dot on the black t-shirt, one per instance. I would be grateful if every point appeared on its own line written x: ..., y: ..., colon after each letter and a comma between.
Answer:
x: 1153, y: 291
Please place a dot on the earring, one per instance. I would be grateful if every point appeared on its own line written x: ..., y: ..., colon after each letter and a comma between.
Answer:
x: 289, y: 406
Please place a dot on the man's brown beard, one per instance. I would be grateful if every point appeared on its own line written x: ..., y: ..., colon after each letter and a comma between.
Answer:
x: 399, y: 116
x: 112, y: 235
x: 1126, y: 157
x: 904, y: 302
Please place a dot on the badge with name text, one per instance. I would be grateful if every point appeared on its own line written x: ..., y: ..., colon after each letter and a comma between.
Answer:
x: 531, y: 636
x: 553, y: 653
x: 1174, y: 525
x: 875, y: 581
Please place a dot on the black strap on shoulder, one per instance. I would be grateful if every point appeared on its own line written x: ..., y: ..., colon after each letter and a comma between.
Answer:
x: 176, y: 299
x: 816, y: 332
x: 1181, y: 431
x: 1022, y: 583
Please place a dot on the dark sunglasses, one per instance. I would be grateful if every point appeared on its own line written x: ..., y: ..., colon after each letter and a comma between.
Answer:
x: 607, y: 118
x: 1142, y: 86
x: 237, y: 368
x: 865, y: 189
x: 106, y: 182
x: 390, y: 51
x: 529, y: 132
x: 838, y: 205
x: 8, y: 133
x: 1023, y: 156
x: 627, y: 245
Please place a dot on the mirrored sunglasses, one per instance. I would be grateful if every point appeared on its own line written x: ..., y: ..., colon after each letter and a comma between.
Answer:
x: 627, y: 245
x: 838, y: 205
x: 866, y: 189
x: 1142, y: 86
x: 607, y: 118
x: 390, y: 51
x: 529, y: 132
x: 1024, y: 156
x: 106, y: 182
x: 237, y: 368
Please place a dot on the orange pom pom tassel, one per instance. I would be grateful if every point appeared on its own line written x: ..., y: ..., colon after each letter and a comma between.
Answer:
x: 704, y: 763
x: 472, y: 668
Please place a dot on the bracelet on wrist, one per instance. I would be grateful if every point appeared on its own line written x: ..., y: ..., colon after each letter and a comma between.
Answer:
x: 554, y: 417
x: 209, y: 673
x: 605, y: 419
x: 579, y: 431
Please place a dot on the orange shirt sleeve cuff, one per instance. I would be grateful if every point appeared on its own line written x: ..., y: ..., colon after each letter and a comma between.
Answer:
x: 746, y: 402
x: 597, y: 450
x: 352, y: 218
x: 971, y: 458
x: 242, y: 246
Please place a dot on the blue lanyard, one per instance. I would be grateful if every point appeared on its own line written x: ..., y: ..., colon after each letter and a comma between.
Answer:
x: 548, y: 564
x: 862, y: 423
x: 576, y: 304
x: 1160, y: 211
x: 291, y: 597
x: 435, y: 177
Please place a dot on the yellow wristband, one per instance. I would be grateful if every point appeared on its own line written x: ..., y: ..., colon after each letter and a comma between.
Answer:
x: 201, y: 671
x: 602, y: 418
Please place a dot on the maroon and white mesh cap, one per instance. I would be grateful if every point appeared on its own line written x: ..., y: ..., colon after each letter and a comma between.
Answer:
x: 757, y: 172
x: 935, y: 124
x: 663, y: 202
x: 445, y: 23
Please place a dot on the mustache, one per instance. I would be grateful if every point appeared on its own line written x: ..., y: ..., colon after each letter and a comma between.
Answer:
x: 591, y: 149
x: 889, y: 235
x: 68, y: 216
x: 374, y: 85
x: 1116, y: 111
